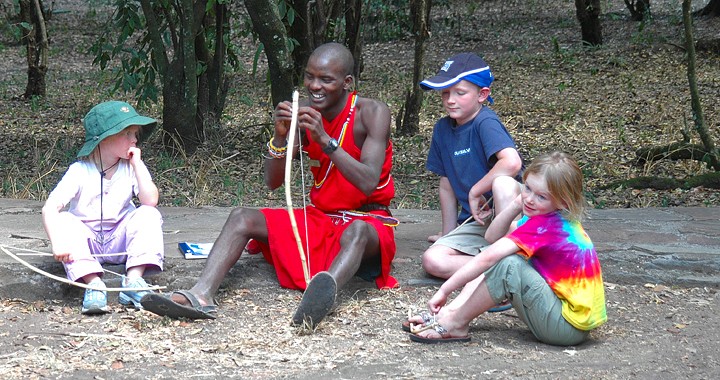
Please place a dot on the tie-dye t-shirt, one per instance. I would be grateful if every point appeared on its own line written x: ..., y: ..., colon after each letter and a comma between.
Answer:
x: 561, y: 251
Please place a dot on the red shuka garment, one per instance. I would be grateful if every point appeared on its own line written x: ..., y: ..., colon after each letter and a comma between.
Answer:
x: 331, y: 193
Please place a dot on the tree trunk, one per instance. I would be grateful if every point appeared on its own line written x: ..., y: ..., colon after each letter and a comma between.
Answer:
x: 685, y: 150
x: 298, y: 31
x: 698, y: 117
x: 639, y: 9
x: 36, y: 43
x: 213, y: 85
x: 353, y: 40
x: 183, y: 119
x: 408, y: 121
x: 269, y: 27
x: 711, y: 9
x: 588, y: 14
x: 184, y: 128
x: 218, y: 84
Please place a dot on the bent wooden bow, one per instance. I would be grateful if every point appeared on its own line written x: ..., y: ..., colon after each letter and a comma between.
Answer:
x: 73, y: 283
x: 288, y: 197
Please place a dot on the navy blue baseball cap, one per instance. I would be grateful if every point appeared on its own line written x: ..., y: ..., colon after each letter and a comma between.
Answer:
x: 464, y: 66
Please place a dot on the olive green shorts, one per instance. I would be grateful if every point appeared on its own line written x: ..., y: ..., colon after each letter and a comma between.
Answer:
x: 514, y: 279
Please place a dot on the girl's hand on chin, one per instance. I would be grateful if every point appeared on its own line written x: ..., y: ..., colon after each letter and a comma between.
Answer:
x: 133, y: 154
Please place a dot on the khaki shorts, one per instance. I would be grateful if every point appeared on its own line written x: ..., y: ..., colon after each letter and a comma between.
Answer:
x: 468, y: 238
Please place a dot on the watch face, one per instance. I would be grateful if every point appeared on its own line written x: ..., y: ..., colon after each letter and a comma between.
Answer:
x: 331, y: 146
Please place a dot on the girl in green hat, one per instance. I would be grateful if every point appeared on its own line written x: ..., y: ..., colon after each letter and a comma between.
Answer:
x: 100, y: 223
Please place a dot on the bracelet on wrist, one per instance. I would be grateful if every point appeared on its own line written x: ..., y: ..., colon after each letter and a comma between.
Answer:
x: 274, y: 152
x: 277, y: 149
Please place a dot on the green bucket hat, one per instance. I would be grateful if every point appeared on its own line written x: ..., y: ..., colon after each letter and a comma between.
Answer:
x: 109, y: 118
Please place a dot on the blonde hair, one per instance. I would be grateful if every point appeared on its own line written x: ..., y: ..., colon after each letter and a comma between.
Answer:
x: 564, y: 181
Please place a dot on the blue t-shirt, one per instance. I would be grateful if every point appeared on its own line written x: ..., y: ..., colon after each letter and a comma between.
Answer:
x: 466, y: 153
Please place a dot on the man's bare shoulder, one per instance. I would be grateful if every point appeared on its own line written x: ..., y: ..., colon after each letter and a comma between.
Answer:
x: 370, y: 105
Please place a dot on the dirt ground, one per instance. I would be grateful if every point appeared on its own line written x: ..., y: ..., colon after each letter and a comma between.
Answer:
x: 661, y: 279
x: 655, y: 332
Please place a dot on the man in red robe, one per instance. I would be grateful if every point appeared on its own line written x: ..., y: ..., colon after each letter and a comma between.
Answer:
x: 346, y: 230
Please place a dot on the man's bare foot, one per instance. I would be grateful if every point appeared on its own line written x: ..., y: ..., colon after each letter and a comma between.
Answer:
x: 182, y: 299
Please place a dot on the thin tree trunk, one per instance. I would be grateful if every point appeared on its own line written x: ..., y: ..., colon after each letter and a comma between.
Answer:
x: 353, y: 40
x: 588, y: 14
x: 408, y: 122
x: 298, y: 31
x: 685, y: 149
x: 217, y: 82
x: 698, y: 117
x: 269, y: 27
x: 36, y: 42
x: 711, y: 9
x: 639, y: 9
x: 182, y: 118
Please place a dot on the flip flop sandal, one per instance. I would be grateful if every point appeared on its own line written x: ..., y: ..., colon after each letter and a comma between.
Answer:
x: 426, y: 317
x: 317, y: 301
x: 445, y: 336
x: 165, y: 306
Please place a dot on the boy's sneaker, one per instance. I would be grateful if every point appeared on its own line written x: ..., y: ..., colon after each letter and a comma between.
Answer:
x: 95, y: 301
x: 128, y: 298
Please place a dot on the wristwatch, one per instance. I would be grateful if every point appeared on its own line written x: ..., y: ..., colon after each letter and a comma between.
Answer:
x: 331, y: 146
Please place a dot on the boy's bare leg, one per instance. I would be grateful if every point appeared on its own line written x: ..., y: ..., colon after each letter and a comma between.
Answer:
x: 442, y: 261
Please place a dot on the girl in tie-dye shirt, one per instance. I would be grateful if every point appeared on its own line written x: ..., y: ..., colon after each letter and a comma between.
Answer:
x: 544, y: 264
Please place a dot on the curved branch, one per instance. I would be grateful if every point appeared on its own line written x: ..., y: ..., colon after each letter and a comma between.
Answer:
x: 678, y: 151
x: 159, y: 52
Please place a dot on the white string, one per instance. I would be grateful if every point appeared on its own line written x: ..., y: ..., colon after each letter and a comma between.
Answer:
x: 304, y: 203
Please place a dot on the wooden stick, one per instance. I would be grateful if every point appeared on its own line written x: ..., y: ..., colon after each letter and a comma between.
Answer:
x: 288, y: 195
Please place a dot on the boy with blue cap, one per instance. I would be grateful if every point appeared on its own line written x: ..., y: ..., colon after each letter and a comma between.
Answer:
x: 476, y: 159
x: 101, y: 223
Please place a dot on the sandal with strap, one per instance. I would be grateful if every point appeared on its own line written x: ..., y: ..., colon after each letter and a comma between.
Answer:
x: 445, y: 336
x: 165, y: 306
x: 426, y: 317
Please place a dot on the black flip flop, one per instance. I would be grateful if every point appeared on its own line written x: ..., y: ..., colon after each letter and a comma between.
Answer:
x: 317, y: 301
x: 165, y: 306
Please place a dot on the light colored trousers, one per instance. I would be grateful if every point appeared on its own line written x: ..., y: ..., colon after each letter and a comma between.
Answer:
x: 138, y: 235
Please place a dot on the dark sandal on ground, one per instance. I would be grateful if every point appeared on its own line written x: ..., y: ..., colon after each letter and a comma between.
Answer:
x: 165, y: 306
x: 317, y: 301
x: 445, y: 337
x: 426, y: 317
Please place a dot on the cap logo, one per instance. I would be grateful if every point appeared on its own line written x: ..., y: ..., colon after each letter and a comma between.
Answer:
x: 124, y: 109
x: 446, y: 66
